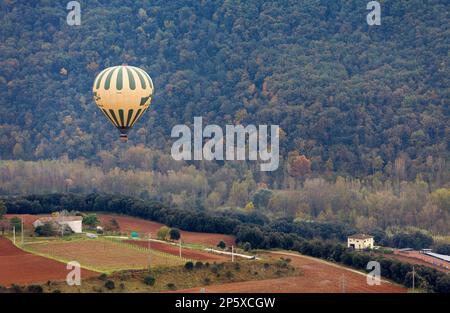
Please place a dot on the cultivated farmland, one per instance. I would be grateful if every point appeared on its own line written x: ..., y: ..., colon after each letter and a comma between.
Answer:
x: 186, y: 253
x: 20, y: 267
x: 104, y: 255
x: 129, y: 224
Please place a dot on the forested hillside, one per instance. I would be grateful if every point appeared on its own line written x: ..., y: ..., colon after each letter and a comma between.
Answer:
x: 353, y: 99
x: 364, y: 111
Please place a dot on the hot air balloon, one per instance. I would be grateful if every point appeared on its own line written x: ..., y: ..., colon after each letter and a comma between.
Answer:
x: 123, y: 94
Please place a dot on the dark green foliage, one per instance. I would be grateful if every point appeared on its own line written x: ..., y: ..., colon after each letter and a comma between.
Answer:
x: 35, y: 289
x: 91, y: 220
x: 207, y: 281
x: 17, y: 223
x: 415, y: 240
x: 46, y: 230
x: 443, y: 284
x: 110, y: 285
x: 2, y: 209
x: 103, y: 277
x: 198, y: 265
x: 171, y: 286
x: 247, y: 246
x: 221, y: 244
x: 261, y: 198
x: 189, y: 266
x: 149, y: 280
x: 443, y: 249
x: 174, y: 234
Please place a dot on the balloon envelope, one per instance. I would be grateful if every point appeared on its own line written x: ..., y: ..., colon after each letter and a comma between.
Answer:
x: 123, y: 94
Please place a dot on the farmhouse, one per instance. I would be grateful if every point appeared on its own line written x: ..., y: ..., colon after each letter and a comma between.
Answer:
x: 74, y: 222
x: 360, y: 241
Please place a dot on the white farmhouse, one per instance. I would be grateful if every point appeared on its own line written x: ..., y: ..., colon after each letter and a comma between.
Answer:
x: 360, y: 242
x: 74, y: 222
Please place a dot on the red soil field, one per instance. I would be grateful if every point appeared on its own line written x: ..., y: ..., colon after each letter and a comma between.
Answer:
x: 318, y: 277
x: 20, y: 267
x: 129, y: 224
x: 185, y: 253
x: 28, y: 219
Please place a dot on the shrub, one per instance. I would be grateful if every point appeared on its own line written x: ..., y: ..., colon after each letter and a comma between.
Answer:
x: 247, y: 246
x: 149, y: 280
x: 443, y: 249
x: 91, y: 220
x: 109, y: 284
x: 171, y: 286
x: 206, y: 281
x: 16, y: 288
x: 189, y: 266
x: 229, y: 275
x: 175, y: 234
x: 221, y: 245
x: 215, y: 269
x: 198, y: 265
x: 35, y: 289
x: 46, y: 230
x: 103, y: 277
x: 163, y: 233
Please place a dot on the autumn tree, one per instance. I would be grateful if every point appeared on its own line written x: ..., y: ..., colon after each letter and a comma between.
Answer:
x: 299, y: 166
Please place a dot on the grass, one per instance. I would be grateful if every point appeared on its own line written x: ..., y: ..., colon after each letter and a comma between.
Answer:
x: 177, y: 278
x: 102, y: 255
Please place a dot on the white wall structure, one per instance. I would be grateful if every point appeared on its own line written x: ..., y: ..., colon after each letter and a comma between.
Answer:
x: 360, y: 242
x: 74, y: 222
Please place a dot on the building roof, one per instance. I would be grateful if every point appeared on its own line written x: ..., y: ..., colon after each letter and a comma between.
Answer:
x: 439, y: 256
x: 60, y: 219
x: 360, y: 236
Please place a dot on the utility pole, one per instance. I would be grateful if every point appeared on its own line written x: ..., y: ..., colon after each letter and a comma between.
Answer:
x: 180, y: 247
x: 343, y: 283
x: 149, y: 251
x: 14, y: 234
x: 232, y: 253
x: 21, y: 221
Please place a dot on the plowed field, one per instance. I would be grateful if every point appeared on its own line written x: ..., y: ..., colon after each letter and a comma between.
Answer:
x: 20, y: 267
x: 129, y: 224
x: 318, y: 277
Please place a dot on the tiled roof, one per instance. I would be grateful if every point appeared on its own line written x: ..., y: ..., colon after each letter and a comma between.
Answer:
x: 60, y: 219
x: 360, y: 236
x: 439, y: 256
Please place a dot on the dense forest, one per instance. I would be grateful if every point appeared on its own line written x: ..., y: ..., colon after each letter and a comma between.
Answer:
x: 363, y: 110
x: 352, y: 98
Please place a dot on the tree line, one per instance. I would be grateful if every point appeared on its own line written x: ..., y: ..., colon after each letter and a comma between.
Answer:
x: 368, y: 204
